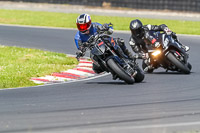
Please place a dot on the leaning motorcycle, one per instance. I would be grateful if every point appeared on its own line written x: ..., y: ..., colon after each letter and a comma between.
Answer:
x: 169, y: 55
x: 106, y: 54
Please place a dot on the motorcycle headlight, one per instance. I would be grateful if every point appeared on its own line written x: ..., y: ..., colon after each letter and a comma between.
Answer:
x: 157, y: 52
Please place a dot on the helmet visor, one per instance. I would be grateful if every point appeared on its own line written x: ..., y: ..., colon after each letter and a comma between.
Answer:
x: 137, y: 32
x: 83, y: 27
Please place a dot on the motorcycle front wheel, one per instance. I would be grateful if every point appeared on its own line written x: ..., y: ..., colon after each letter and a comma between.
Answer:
x: 184, y: 68
x: 117, y: 69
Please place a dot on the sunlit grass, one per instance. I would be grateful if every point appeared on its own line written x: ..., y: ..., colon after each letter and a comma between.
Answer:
x: 68, y: 20
x: 18, y: 65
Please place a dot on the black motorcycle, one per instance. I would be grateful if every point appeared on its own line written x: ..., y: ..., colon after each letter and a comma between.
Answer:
x: 169, y: 55
x: 106, y: 54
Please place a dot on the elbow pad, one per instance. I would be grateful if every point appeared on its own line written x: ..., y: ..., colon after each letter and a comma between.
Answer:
x: 134, y: 47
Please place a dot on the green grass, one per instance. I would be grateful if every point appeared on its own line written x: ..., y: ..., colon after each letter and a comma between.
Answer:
x: 18, y: 65
x: 53, y: 19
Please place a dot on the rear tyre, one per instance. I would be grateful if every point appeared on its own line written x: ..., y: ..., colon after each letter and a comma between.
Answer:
x: 120, y: 72
x: 184, y: 68
x: 139, y: 76
x: 189, y: 66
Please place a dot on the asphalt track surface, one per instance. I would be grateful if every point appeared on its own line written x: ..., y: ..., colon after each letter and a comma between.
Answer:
x: 162, y: 103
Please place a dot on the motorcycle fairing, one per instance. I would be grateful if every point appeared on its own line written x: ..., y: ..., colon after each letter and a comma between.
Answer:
x: 99, y: 49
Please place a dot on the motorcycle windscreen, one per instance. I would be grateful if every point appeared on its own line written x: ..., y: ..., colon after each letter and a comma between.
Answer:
x: 99, y: 49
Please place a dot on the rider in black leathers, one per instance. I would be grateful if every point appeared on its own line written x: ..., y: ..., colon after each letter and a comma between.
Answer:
x: 141, y: 37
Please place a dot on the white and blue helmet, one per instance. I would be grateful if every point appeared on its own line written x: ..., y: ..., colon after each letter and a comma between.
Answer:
x: 83, y: 22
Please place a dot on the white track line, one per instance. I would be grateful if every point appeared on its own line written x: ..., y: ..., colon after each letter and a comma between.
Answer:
x: 60, y: 28
x: 165, y: 125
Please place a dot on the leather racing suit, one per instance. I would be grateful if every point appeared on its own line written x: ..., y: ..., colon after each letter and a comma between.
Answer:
x: 139, y: 44
x: 81, y: 38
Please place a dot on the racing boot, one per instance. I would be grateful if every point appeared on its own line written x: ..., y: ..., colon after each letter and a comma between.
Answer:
x: 129, y: 54
x: 186, y: 48
x: 115, y: 76
x: 124, y: 49
x: 147, y: 67
x: 97, y: 69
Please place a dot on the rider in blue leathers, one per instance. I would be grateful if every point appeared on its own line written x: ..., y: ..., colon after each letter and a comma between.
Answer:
x: 85, y: 29
x: 82, y: 37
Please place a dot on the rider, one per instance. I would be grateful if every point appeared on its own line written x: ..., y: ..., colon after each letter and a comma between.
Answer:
x: 85, y: 29
x: 140, y: 36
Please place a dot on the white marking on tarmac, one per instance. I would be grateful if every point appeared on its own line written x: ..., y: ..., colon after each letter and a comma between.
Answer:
x: 85, y: 68
x: 79, y: 72
x: 80, y: 80
x: 61, y: 28
x: 165, y: 125
x: 85, y: 64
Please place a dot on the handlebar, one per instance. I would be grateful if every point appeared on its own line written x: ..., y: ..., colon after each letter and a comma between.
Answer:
x: 93, y: 38
x: 100, y: 31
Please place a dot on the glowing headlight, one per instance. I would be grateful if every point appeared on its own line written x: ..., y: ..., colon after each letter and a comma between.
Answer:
x: 157, y: 52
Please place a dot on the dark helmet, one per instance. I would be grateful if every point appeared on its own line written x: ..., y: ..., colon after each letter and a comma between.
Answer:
x: 83, y: 23
x: 136, y: 28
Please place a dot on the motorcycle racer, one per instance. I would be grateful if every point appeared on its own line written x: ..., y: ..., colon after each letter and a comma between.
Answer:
x: 141, y: 37
x: 85, y: 29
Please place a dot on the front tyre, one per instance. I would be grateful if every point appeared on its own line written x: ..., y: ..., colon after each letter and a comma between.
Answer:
x: 184, y: 68
x: 117, y: 69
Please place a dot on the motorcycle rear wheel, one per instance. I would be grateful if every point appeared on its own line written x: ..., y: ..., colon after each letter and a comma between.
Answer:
x: 189, y: 66
x: 120, y: 72
x: 139, y: 76
x: 184, y: 68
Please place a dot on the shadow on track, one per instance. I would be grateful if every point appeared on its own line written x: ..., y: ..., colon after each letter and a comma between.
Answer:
x: 113, y: 83
x: 169, y: 73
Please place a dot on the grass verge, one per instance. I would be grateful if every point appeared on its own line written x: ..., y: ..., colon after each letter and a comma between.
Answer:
x: 68, y: 20
x: 18, y: 65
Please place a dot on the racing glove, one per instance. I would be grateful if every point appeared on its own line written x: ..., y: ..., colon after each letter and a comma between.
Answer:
x: 108, y: 28
x: 167, y: 31
x: 105, y: 26
x: 79, y: 54
x: 174, y: 36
